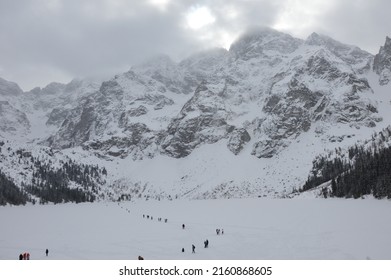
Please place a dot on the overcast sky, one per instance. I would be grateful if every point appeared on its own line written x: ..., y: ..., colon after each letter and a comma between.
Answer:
x: 57, y: 40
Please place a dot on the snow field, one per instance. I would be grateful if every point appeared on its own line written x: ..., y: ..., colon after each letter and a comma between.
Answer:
x: 253, y: 229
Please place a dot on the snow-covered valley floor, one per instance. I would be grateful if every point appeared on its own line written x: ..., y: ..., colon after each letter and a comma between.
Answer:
x: 253, y: 229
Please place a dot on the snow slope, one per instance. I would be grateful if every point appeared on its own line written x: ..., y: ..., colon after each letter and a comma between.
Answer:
x: 253, y: 229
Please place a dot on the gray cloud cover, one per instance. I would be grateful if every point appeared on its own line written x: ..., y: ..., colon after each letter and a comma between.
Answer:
x: 57, y: 40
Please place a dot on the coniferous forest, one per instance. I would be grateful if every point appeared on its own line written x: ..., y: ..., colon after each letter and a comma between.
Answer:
x: 55, y: 185
x: 10, y: 193
x: 44, y: 179
x: 366, y: 169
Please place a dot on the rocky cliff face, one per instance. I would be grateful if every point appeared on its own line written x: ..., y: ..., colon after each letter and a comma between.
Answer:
x: 13, y: 122
x: 358, y: 59
x: 292, y: 84
x: 10, y: 89
x: 202, y: 120
x: 268, y: 89
x: 382, y: 63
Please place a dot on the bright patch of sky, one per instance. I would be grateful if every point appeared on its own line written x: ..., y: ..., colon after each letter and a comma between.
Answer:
x: 199, y: 17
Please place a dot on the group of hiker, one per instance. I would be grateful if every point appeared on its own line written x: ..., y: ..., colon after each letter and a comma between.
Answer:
x: 159, y: 219
x: 26, y: 255
x: 192, y: 249
x: 206, y: 242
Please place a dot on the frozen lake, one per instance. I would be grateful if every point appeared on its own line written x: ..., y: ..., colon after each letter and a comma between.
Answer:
x: 253, y: 229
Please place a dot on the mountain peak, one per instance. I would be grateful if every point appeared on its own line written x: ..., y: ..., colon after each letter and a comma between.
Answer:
x: 9, y: 88
x: 324, y: 40
x: 388, y: 42
x: 255, y: 41
x: 206, y: 59
x: 317, y: 39
x: 157, y: 61
x: 53, y: 88
x: 356, y: 57
x: 257, y: 34
x: 382, y: 62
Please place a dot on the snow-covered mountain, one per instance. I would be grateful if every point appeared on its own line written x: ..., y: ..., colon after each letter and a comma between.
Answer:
x: 244, y: 122
x: 382, y: 63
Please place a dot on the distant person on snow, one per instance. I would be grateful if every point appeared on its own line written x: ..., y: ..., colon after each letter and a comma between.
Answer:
x: 47, y: 252
x: 21, y: 256
x: 183, y: 226
x: 193, y: 248
x: 183, y: 250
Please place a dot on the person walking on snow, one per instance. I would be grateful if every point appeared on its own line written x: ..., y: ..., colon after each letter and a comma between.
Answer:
x: 193, y: 248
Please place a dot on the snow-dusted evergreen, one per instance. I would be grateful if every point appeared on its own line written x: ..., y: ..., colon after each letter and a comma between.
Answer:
x: 240, y: 123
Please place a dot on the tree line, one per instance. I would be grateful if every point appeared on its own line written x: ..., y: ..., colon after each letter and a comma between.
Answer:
x: 10, y: 193
x: 71, y: 182
x: 364, y: 170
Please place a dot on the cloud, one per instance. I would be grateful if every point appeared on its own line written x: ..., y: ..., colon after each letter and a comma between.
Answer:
x: 46, y: 40
x: 199, y: 17
x: 358, y: 22
x: 86, y: 38
x: 300, y: 17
